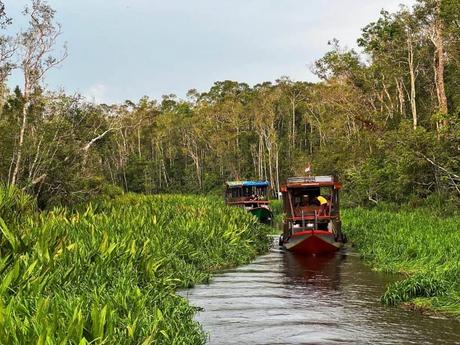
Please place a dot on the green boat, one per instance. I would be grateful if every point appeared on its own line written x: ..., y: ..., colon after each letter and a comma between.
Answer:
x: 252, y: 196
x: 264, y: 214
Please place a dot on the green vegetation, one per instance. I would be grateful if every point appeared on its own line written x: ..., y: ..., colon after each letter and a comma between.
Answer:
x: 109, y: 274
x: 420, y: 244
x: 278, y: 214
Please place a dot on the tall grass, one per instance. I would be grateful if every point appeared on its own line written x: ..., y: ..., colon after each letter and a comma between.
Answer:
x: 15, y: 204
x: 278, y: 215
x: 423, y: 246
x: 108, y: 275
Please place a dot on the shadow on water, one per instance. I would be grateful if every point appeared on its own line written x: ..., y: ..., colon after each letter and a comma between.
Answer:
x: 282, y: 298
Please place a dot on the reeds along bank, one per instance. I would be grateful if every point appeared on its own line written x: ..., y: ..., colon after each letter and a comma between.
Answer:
x: 419, y: 244
x: 109, y: 274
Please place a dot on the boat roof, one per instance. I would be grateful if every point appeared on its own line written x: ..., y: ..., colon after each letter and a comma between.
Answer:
x: 239, y: 184
x: 312, y: 181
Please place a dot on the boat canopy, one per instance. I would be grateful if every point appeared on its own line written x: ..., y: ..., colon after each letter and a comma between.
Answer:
x: 308, y: 179
x: 239, y: 184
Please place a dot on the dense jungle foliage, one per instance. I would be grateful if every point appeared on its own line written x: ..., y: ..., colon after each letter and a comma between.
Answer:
x: 384, y: 119
x: 108, y: 274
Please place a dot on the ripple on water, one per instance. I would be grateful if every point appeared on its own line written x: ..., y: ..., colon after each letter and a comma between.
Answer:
x: 281, y: 298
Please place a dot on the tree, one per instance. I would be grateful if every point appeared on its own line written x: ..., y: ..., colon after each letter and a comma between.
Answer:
x: 295, y: 93
x: 393, y: 43
x: 436, y: 30
x: 36, y: 46
x: 7, y: 49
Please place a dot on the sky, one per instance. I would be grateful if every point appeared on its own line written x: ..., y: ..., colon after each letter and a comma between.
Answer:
x: 125, y: 49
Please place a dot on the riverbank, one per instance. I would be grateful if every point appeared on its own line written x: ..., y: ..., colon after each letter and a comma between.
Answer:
x: 420, y: 245
x: 108, y: 274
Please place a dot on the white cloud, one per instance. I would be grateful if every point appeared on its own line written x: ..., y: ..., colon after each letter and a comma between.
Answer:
x: 97, y: 93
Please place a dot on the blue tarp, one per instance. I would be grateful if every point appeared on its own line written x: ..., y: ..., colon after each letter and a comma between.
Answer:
x: 248, y: 184
x: 256, y: 184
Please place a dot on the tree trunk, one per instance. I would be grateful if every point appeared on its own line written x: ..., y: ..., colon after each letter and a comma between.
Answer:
x: 260, y: 156
x: 413, y: 102
x: 293, y: 123
x: 237, y: 153
x: 17, y: 166
x: 198, y: 172
x: 270, y: 166
x: 139, y: 151
x: 402, y: 100
x: 438, y: 41
x: 277, y: 167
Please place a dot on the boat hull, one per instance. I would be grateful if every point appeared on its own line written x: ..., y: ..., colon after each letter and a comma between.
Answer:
x: 263, y: 214
x: 312, y: 242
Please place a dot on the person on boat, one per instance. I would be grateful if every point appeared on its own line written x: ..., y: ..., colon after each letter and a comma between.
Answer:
x: 322, y: 204
x: 254, y: 197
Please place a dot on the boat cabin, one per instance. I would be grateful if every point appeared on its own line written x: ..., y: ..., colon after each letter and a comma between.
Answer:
x: 311, y: 203
x: 246, y: 192
x: 252, y: 196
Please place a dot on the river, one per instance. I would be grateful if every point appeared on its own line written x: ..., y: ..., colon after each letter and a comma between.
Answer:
x: 281, y: 298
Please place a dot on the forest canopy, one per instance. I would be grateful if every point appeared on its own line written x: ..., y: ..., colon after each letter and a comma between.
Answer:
x: 384, y: 118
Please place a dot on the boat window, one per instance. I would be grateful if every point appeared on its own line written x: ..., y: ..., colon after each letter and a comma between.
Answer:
x: 233, y: 193
x: 304, y: 197
x: 297, y: 201
x: 302, y: 192
x: 261, y: 191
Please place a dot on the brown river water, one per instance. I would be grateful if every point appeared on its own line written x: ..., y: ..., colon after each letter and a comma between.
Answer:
x: 281, y: 298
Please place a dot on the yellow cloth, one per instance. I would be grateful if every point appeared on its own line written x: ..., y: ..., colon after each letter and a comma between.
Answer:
x: 322, y: 200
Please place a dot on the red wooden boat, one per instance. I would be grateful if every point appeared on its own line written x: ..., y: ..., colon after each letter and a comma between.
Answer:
x: 312, y: 219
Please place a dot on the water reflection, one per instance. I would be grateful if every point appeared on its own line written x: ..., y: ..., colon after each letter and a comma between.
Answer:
x: 313, y: 272
x: 282, y: 298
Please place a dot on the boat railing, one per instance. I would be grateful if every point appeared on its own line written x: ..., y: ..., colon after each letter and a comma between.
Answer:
x: 319, y: 210
x: 310, y: 218
x: 316, y: 219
